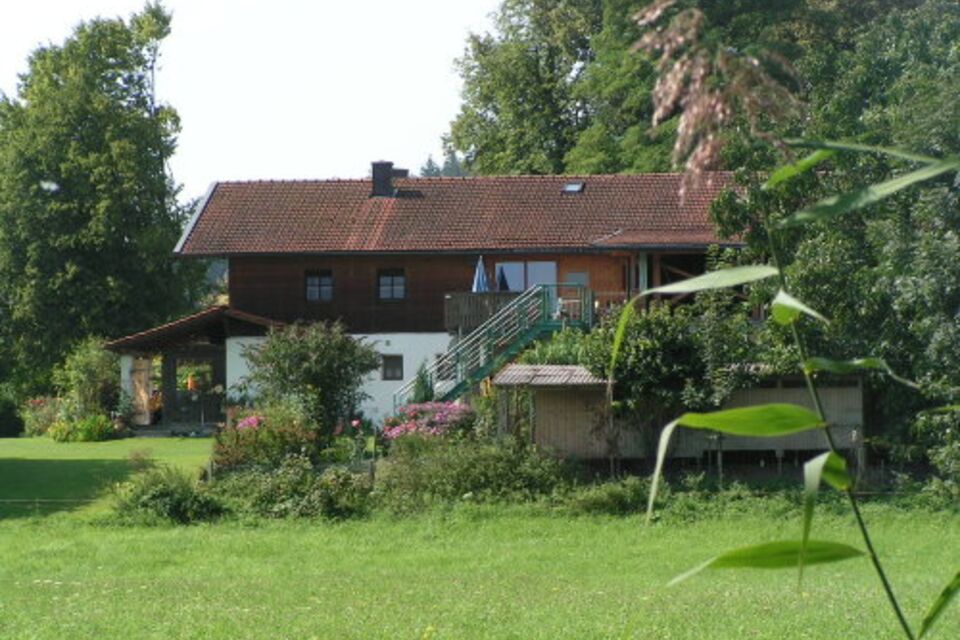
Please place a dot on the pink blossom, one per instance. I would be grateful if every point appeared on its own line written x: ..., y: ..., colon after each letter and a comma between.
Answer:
x: 250, y: 422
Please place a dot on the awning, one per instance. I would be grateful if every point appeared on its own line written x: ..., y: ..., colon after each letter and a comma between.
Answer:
x: 212, y: 325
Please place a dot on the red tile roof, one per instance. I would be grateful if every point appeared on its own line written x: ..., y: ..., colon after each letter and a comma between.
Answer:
x: 468, y: 215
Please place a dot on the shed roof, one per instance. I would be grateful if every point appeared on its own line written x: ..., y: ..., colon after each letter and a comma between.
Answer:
x: 457, y: 215
x: 211, y: 322
x: 546, y: 375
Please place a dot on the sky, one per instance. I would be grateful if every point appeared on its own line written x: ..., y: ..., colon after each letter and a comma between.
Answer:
x: 286, y: 89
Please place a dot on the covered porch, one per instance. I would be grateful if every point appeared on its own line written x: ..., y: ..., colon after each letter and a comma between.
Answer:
x: 177, y: 375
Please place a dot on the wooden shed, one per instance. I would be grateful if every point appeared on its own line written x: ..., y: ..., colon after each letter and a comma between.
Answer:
x: 567, y: 405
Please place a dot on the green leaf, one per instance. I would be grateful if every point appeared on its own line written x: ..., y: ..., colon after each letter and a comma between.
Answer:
x: 786, y: 309
x: 775, y: 555
x: 846, y: 367
x: 844, y: 203
x: 661, y: 455
x: 766, y: 420
x: 800, y: 166
x: 618, y: 336
x: 860, y: 148
x: 719, y: 279
x: 949, y: 592
x: 827, y: 466
x: 950, y: 408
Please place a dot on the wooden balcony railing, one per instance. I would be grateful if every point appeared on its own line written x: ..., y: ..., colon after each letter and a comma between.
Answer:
x: 464, y: 311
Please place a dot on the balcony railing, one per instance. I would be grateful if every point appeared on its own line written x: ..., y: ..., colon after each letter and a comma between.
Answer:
x: 464, y: 312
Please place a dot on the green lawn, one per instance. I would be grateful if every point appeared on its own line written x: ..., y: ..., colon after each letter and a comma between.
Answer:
x: 472, y: 572
x: 40, y: 476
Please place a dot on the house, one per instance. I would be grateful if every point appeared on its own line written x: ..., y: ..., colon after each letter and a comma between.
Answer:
x: 393, y: 258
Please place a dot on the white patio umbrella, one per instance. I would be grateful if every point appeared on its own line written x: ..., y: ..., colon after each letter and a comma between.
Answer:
x: 480, y: 284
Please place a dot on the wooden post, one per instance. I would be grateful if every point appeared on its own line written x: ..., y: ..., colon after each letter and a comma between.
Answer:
x: 168, y: 383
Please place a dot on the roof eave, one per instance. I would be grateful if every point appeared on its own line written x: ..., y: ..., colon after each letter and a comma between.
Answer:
x: 194, y: 218
x: 675, y: 246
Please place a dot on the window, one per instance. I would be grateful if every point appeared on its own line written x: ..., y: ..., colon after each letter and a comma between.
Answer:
x: 391, y: 284
x: 319, y: 286
x: 518, y: 276
x: 392, y: 367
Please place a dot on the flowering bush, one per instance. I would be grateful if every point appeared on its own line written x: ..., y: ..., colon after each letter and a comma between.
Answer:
x: 92, y: 428
x: 251, y: 422
x: 264, y: 437
x: 429, y: 419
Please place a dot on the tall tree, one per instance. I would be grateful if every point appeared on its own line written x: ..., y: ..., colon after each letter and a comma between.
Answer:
x: 887, y: 276
x: 88, y: 212
x: 520, y: 113
x: 430, y: 168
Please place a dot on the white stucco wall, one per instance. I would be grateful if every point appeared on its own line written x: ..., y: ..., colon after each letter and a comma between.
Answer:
x: 237, y: 366
x: 126, y: 374
x: 414, y: 347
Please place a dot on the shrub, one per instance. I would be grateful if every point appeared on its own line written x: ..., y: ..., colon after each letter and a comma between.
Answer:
x: 264, y: 437
x: 93, y: 428
x: 318, y: 367
x: 88, y: 380
x: 423, y: 386
x: 939, y: 434
x: 295, y: 489
x: 39, y: 414
x: 165, y: 494
x: 422, y: 470
x: 429, y: 419
x: 617, y: 498
x: 567, y: 346
x: 11, y: 424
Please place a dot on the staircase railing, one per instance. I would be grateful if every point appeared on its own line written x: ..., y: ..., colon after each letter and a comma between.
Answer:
x: 538, y: 310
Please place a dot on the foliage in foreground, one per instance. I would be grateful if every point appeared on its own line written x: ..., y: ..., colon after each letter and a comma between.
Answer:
x: 165, y: 494
x: 774, y: 420
x: 295, y: 489
x: 422, y: 471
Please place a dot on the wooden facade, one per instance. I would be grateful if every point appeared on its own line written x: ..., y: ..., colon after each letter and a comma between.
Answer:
x: 275, y: 286
x: 566, y: 420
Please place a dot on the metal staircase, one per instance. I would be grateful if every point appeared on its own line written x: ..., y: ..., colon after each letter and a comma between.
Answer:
x: 538, y: 312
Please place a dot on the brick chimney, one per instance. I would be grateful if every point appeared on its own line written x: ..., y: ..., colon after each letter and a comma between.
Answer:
x: 383, y: 174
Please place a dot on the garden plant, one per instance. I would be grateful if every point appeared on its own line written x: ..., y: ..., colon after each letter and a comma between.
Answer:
x: 773, y: 420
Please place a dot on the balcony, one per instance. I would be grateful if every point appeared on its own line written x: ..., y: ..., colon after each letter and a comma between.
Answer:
x: 464, y: 311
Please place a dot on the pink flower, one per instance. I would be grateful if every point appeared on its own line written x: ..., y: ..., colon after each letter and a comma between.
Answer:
x: 355, y: 424
x: 250, y: 422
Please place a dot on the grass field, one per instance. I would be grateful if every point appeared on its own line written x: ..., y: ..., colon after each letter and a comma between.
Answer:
x: 471, y: 572
x: 40, y: 476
